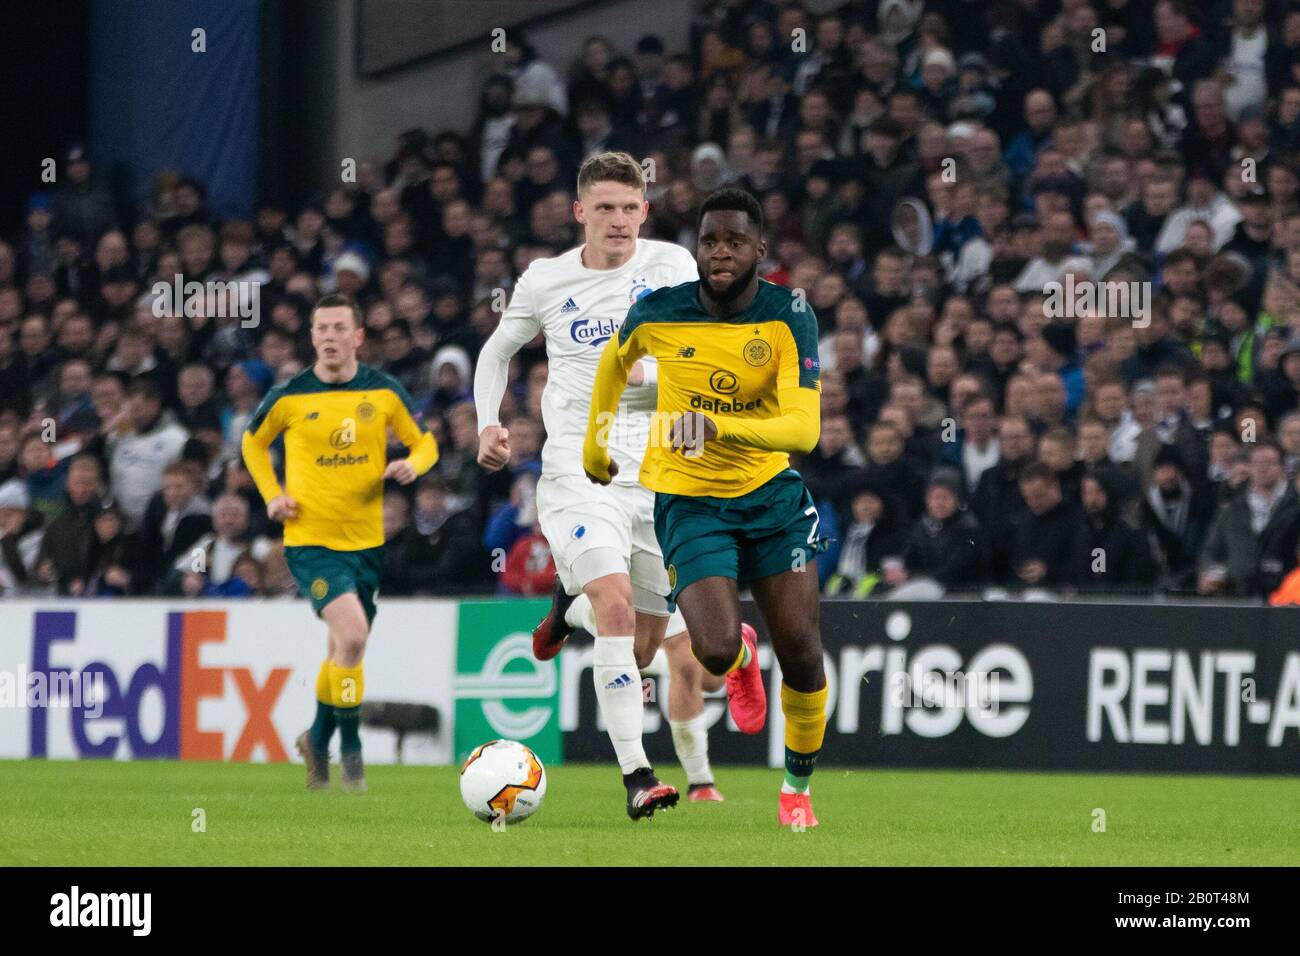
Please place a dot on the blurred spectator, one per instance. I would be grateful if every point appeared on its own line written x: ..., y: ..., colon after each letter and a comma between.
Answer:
x: 211, y: 559
x: 871, y: 541
x: 67, y: 536
x: 111, y: 558
x: 137, y: 456
x: 44, y: 475
x: 1177, y: 517
x: 434, y: 547
x: 945, y: 543
x: 1045, y: 539
x: 1247, y: 551
x: 20, y: 541
x: 81, y: 209
x: 1111, y: 554
x: 175, y: 519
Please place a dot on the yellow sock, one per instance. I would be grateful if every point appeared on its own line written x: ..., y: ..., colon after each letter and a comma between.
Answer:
x: 805, y: 728
x: 324, y: 693
x: 347, y: 684
x: 322, y: 728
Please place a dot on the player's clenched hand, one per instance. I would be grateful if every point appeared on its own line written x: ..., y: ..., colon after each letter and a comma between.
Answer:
x: 613, y: 470
x: 494, y: 447
x: 401, y: 470
x: 282, y: 508
x: 691, y: 431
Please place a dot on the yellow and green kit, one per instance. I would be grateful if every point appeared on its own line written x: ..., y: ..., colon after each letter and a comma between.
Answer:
x: 335, y: 453
x: 737, y: 509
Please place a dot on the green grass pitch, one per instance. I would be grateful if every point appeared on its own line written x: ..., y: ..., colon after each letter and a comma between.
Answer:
x: 130, y: 814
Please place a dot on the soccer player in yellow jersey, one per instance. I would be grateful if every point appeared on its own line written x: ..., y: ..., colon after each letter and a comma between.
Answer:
x: 739, y: 390
x: 335, y: 417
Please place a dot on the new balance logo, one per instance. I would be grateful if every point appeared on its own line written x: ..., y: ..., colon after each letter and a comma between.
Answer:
x: 619, y: 682
x: 569, y: 306
x: 688, y: 352
x: 312, y: 416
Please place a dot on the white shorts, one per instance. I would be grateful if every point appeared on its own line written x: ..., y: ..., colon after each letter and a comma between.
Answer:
x: 578, y: 517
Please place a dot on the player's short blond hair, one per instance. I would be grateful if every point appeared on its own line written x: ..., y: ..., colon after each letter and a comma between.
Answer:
x: 611, y: 167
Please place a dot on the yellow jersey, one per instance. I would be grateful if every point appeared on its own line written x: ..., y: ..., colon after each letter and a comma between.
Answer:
x: 754, y: 374
x: 335, y: 451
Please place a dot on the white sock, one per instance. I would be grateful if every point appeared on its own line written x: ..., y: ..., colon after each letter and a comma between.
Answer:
x: 658, y: 666
x: 618, y: 691
x: 581, y: 615
x: 691, y: 741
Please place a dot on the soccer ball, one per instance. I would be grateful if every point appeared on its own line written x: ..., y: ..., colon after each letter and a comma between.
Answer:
x: 502, y: 779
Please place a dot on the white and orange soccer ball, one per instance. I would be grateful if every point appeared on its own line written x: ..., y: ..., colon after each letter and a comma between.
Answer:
x: 502, y: 779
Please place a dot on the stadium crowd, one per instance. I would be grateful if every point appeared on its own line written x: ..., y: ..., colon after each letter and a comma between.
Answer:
x: 932, y: 174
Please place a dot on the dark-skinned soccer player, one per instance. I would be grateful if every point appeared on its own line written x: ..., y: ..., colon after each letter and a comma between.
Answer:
x: 739, y: 391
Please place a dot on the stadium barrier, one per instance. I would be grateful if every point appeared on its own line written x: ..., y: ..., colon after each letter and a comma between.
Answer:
x: 202, y: 680
x: 1006, y: 685
x: 1014, y: 685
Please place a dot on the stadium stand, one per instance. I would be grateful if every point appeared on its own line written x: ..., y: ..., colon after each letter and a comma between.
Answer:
x: 1053, y: 248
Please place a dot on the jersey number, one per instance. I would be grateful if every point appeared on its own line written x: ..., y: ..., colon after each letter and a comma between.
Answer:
x: 812, y: 535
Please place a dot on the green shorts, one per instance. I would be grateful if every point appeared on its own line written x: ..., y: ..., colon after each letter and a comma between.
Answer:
x: 770, y: 530
x: 323, y: 574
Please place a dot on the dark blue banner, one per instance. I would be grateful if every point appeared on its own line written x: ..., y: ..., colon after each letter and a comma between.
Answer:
x: 175, y: 87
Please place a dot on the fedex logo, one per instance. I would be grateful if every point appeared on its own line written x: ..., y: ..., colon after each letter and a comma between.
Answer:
x: 179, y: 682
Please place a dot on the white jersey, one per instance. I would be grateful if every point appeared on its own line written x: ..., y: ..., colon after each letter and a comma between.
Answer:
x: 579, y: 310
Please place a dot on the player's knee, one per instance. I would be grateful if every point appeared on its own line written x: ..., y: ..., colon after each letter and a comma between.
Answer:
x: 801, y: 665
x: 716, y: 653
x: 644, y: 657
x: 350, y: 648
x: 614, y: 612
x: 685, y: 674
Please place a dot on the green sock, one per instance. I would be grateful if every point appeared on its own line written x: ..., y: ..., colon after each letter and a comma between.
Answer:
x: 798, y: 770
x: 349, y: 721
x: 322, y: 728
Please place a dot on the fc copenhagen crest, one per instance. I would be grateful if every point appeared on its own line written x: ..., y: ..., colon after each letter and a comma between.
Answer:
x: 757, y: 352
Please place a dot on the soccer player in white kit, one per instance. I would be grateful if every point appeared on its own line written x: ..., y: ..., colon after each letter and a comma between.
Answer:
x: 611, y: 578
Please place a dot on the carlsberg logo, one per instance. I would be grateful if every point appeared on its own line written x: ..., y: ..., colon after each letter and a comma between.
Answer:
x: 587, y: 332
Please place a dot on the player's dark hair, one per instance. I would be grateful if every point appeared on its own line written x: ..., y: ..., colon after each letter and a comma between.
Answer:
x: 732, y: 199
x: 336, y: 300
